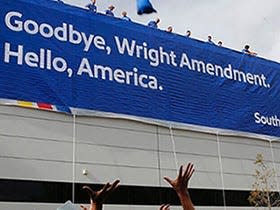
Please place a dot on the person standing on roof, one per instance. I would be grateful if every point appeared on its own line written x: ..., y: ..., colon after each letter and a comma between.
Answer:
x: 125, y: 17
x: 169, y: 29
x: 188, y: 33
x: 92, y: 7
x: 154, y: 23
x: 109, y: 11
x: 209, y: 39
x: 247, y: 51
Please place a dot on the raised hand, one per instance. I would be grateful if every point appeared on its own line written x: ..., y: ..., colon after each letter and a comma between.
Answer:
x: 164, y: 207
x: 97, y: 198
x: 180, y: 185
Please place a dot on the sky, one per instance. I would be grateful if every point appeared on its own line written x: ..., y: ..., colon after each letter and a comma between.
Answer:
x: 235, y: 22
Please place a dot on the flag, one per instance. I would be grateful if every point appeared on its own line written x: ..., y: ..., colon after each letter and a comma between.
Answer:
x: 144, y: 6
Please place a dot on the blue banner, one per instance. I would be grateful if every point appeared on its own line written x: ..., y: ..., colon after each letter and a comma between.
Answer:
x: 66, y: 56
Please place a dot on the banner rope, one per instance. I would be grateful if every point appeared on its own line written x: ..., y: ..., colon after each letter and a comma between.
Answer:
x: 221, y: 170
x: 74, y: 157
x: 173, y: 147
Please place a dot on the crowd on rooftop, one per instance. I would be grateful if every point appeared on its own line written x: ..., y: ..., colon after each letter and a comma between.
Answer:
x: 154, y: 24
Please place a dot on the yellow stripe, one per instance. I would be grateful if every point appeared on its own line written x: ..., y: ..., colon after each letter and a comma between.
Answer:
x: 25, y: 103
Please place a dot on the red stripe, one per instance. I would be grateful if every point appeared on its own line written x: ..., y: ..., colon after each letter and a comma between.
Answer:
x: 44, y: 106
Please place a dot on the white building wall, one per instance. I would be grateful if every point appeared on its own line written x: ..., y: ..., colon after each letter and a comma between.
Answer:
x: 38, y: 145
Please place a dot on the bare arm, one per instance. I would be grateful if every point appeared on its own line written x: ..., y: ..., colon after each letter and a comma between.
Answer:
x: 253, y: 53
x: 97, y: 198
x: 180, y: 185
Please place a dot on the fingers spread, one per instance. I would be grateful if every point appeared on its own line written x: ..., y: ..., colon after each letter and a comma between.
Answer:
x: 90, y: 192
x: 104, y: 190
x: 180, y: 175
x: 106, y: 186
x: 169, y: 180
x: 167, y: 207
x: 114, y: 186
x: 164, y: 207
x: 189, y: 171
x: 83, y: 207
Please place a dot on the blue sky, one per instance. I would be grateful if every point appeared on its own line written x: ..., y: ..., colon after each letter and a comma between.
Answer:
x: 235, y: 22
